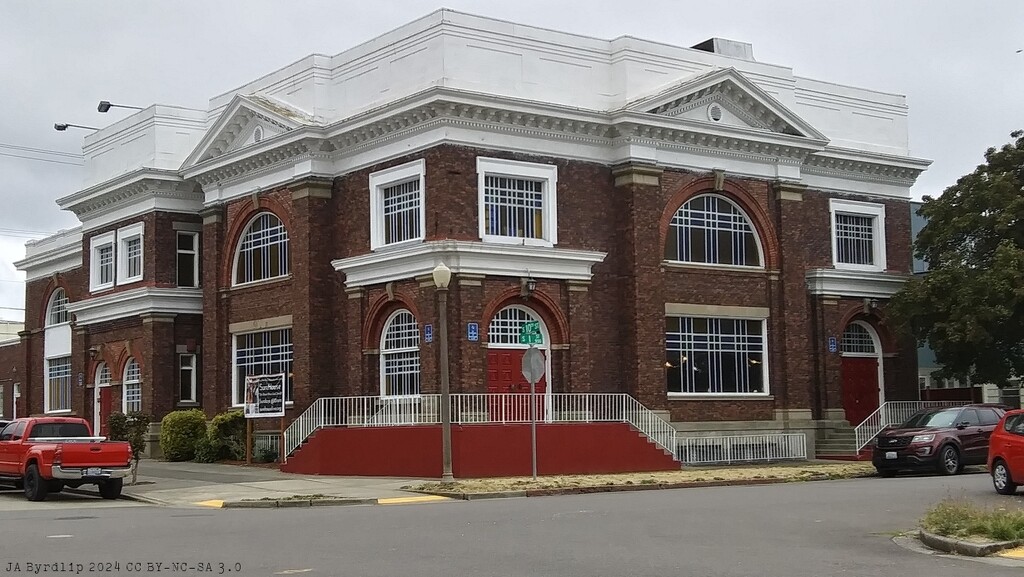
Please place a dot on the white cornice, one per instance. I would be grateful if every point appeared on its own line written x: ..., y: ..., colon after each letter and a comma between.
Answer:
x: 135, y: 302
x: 42, y: 261
x: 466, y: 257
x: 136, y: 193
x: 857, y: 284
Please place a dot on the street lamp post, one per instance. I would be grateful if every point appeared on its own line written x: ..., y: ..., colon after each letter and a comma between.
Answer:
x: 442, y: 276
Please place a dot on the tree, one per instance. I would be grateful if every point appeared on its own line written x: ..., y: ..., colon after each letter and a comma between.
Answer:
x: 133, y: 428
x: 969, y: 307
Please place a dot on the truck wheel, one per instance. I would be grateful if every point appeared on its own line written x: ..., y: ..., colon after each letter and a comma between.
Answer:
x: 111, y: 488
x: 55, y: 486
x: 35, y: 485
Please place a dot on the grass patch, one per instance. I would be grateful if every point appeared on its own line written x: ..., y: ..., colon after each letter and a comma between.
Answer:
x: 959, y: 518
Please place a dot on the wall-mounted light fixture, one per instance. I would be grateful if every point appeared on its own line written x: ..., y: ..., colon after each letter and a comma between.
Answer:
x: 527, y: 286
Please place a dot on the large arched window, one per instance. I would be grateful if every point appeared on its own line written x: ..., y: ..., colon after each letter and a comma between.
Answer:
x: 57, y: 309
x: 262, y: 250
x: 857, y: 340
x: 710, y: 229
x: 131, y: 398
x: 400, y: 355
x: 507, y: 323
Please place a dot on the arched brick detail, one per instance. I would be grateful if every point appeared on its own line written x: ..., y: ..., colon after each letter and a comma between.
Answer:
x: 121, y: 362
x: 736, y: 193
x: 51, y: 285
x: 540, y: 302
x: 856, y: 313
x: 246, y: 212
x: 378, y: 314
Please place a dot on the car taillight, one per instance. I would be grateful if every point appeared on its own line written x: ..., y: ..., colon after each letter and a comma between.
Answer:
x: 129, y: 455
x: 57, y: 456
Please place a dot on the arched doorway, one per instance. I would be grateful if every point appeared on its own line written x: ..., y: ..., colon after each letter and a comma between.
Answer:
x: 862, y: 377
x: 504, y: 364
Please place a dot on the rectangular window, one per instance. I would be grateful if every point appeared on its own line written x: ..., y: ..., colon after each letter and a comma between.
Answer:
x: 129, y: 254
x: 262, y: 353
x: 132, y: 397
x: 186, y: 378
x: 517, y: 202
x: 715, y: 355
x: 188, y: 259
x: 105, y: 254
x: 858, y: 235
x: 397, y: 213
x: 58, y: 385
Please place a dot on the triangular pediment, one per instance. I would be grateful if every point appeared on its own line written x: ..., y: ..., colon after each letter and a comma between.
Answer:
x: 726, y: 97
x: 246, y: 121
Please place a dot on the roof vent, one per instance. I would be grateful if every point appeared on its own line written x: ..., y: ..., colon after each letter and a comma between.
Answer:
x: 731, y: 48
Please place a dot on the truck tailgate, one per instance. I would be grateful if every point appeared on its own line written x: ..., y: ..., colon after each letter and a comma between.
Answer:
x: 94, y: 454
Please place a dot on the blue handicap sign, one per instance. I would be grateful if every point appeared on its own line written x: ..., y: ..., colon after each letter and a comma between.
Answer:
x: 428, y: 333
x: 473, y: 332
x: 832, y: 345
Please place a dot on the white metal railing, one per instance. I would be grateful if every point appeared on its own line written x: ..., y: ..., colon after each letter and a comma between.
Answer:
x: 894, y: 413
x: 479, y: 408
x: 742, y: 448
x: 267, y: 441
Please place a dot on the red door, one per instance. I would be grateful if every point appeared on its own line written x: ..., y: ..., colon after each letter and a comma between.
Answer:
x: 105, y: 401
x: 860, y: 388
x: 504, y: 376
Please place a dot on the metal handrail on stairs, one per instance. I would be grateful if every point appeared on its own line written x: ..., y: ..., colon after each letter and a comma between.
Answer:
x: 893, y: 413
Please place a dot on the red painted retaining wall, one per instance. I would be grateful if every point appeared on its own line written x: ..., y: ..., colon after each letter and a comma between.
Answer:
x: 479, y: 451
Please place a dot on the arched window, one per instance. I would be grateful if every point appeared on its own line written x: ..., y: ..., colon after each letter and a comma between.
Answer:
x: 262, y: 251
x: 400, y: 355
x: 710, y: 229
x: 857, y: 339
x: 507, y: 323
x: 102, y: 375
x: 131, y: 398
x: 57, y: 310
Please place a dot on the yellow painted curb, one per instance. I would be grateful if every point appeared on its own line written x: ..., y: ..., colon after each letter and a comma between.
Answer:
x: 1016, y: 553
x: 214, y: 503
x: 405, y: 500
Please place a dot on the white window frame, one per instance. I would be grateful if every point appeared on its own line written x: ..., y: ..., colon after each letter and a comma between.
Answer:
x: 50, y: 308
x: 178, y: 251
x: 380, y: 180
x: 95, y: 244
x: 384, y: 352
x: 124, y: 236
x: 285, y: 253
x: 47, y: 396
x: 2, y: 401
x: 766, y: 392
x: 547, y: 173
x: 681, y: 229
x: 125, y: 382
x: 236, y: 399
x: 191, y: 366
x: 871, y: 210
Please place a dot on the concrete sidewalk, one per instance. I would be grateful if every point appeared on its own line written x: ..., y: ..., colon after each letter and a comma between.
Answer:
x: 212, y: 484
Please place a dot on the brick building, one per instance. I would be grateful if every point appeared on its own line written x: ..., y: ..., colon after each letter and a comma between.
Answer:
x: 713, y: 235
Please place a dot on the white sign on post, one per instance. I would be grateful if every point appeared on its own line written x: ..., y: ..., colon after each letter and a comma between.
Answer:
x: 264, y: 396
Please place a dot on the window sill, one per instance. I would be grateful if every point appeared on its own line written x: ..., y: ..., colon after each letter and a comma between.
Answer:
x: 101, y: 288
x: 720, y: 397
x: 704, y: 267
x: 538, y: 242
x: 129, y: 281
x: 59, y: 412
x: 396, y: 245
x: 260, y: 283
x: 858, y: 267
x: 190, y: 404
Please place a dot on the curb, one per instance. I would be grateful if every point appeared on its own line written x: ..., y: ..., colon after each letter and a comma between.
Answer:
x: 124, y: 496
x: 622, y: 488
x: 287, y: 503
x: 951, y: 545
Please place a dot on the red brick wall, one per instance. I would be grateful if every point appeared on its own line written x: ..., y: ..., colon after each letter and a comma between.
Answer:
x: 12, y: 370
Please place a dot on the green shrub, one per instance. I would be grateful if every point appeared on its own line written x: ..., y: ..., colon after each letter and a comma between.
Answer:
x: 133, y: 428
x: 180, y: 431
x: 265, y: 455
x: 205, y: 452
x: 227, y: 435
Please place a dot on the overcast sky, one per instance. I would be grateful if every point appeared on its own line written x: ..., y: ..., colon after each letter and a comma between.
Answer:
x: 956, y: 61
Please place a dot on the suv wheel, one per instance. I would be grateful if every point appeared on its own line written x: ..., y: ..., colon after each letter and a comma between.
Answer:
x: 1001, y: 479
x: 949, y: 460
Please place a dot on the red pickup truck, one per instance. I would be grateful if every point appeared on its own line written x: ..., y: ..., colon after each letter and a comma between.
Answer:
x: 46, y: 454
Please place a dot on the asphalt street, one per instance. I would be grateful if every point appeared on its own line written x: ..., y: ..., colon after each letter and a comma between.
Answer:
x: 790, y: 530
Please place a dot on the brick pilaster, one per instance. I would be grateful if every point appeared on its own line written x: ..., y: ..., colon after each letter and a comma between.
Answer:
x: 215, y: 385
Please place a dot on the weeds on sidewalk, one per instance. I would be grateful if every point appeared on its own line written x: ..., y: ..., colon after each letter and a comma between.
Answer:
x: 959, y: 518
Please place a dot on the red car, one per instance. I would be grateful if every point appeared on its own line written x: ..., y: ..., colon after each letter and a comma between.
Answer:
x: 1006, y: 453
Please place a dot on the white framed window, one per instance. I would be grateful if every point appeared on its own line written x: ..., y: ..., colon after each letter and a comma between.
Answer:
x: 711, y: 229
x: 188, y: 259
x: 400, y: 355
x: 397, y: 205
x: 58, y: 385
x: 3, y: 401
x: 518, y: 202
x: 261, y: 353
x: 857, y: 340
x: 716, y: 356
x: 131, y: 396
x: 858, y: 235
x: 507, y: 323
x: 102, y: 375
x: 101, y: 267
x: 57, y: 311
x: 186, y: 378
x: 262, y: 251
x: 129, y: 253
